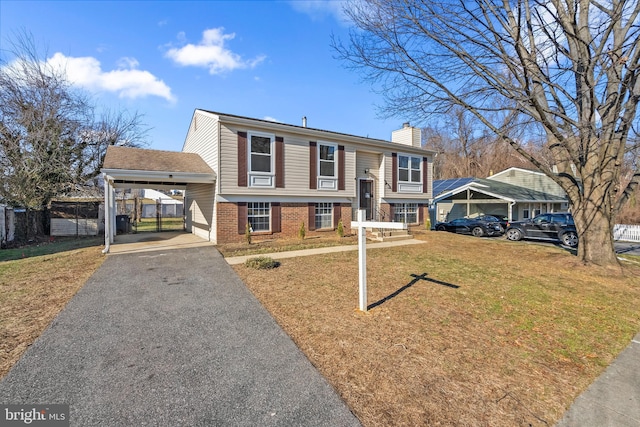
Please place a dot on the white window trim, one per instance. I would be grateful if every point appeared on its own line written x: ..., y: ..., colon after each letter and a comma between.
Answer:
x: 258, y: 178
x: 409, y: 156
x: 328, y: 182
x: 405, y: 211
x: 268, y: 214
x: 330, y: 227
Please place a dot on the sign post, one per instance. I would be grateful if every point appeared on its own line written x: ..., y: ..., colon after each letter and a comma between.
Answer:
x: 362, y: 225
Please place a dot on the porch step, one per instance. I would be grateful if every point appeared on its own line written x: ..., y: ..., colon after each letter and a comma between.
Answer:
x: 389, y: 235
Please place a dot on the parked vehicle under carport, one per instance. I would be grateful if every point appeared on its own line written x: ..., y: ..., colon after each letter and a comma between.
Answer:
x: 472, y: 226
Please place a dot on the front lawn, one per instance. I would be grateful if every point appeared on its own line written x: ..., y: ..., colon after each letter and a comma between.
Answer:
x: 36, y: 283
x: 527, y: 329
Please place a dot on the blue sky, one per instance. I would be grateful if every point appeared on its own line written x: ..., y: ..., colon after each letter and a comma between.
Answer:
x: 261, y: 59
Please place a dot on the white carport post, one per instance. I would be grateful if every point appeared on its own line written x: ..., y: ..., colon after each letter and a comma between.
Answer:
x: 109, y: 217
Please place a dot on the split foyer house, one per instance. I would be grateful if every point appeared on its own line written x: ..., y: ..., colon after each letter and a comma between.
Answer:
x: 275, y: 176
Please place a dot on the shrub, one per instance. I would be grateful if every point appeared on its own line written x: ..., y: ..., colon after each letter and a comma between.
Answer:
x: 261, y: 263
x: 302, y: 232
x: 340, y: 229
x: 247, y: 233
x: 427, y: 223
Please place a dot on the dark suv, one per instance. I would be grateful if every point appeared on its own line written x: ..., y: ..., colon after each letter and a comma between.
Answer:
x: 558, y: 226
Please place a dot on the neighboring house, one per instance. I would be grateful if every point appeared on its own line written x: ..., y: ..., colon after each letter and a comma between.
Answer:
x: 274, y: 176
x: 154, y: 202
x: 515, y: 193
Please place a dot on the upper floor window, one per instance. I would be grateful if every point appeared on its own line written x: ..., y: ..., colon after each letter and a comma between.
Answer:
x: 261, y: 153
x: 327, y: 160
x: 409, y: 169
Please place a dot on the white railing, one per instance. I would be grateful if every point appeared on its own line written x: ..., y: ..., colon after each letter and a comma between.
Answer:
x: 627, y: 233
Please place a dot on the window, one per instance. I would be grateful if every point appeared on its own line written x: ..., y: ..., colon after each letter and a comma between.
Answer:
x: 525, y: 213
x: 406, y: 212
x: 324, y: 215
x: 409, y: 169
x: 258, y: 215
x: 327, y: 160
x: 261, y: 153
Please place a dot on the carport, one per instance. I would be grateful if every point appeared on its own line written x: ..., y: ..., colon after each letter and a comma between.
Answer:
x: 127, y: 167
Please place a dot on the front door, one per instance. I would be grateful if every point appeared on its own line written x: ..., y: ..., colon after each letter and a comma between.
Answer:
x: 366, y: 197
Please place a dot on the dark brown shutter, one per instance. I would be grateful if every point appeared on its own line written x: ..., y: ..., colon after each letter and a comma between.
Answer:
x: 394, y: 172
x: 341, y: 167
x: 242, y: 159
x: 242, y: 217
x: 425, y: 175
x: 311, y: 216
x: 392, y: 211
x: 421, y: 213
x: 276, y: 218
x: 337, y: 214
x: 313, y: 161
x: 279, y: 162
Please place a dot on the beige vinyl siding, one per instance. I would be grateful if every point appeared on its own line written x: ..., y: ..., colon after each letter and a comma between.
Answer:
x: 202, y: 138
x: 200, y: 210
x: 371, y: 161
x: 296, y: 167
x: 419, y: 198
x: 531, y: 180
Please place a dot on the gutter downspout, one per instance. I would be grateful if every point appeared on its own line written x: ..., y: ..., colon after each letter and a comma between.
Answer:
x: 107, y: 215
x: 510, y: 210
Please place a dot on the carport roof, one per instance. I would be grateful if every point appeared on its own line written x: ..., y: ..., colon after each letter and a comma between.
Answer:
x: 497, y: 189
x: 129, y: 158
x: 139, y: 167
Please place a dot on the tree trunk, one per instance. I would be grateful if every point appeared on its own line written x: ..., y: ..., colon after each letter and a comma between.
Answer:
x: 595, y: 231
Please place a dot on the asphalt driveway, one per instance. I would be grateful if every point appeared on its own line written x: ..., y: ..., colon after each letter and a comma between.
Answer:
x: 172, y: 338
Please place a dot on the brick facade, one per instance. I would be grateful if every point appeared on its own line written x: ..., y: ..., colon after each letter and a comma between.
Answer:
x: 291, y: 216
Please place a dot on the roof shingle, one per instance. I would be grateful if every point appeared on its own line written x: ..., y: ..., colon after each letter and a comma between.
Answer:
x: 140, y: 159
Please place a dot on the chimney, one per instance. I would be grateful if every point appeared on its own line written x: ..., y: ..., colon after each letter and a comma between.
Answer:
x: 304, y: 121
x: 408, y: 135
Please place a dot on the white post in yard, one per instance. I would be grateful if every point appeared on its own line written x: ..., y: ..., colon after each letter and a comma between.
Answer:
x: 362, y: 225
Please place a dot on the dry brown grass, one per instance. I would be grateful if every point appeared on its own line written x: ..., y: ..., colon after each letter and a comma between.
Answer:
x: 33, y: 291
x: 527, y: 330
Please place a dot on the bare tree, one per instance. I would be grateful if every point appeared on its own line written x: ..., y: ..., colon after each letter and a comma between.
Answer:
x: 50, y: 138
x: 566, y: 69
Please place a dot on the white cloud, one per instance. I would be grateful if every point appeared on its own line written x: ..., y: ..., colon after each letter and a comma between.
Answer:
x: 270, y: 119
x: 319, y: 9
x: 211, y: 53
x: 126, y: 81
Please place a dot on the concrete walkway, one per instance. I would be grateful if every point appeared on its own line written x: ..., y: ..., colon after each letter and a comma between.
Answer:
x: 172, y: 337
x: 613, y: 400
x: 326, y: 250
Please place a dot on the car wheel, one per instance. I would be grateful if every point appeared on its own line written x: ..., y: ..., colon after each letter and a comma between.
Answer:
x: 477, y: 232
x: 570, y: 239
x: 514, y: 234
x: 441, y: 228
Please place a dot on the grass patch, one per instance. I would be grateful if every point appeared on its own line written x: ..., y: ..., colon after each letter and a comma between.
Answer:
x: 526, y: 331
x: 34, y: 289
x: 150, y: 224
x: 51, y: 246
